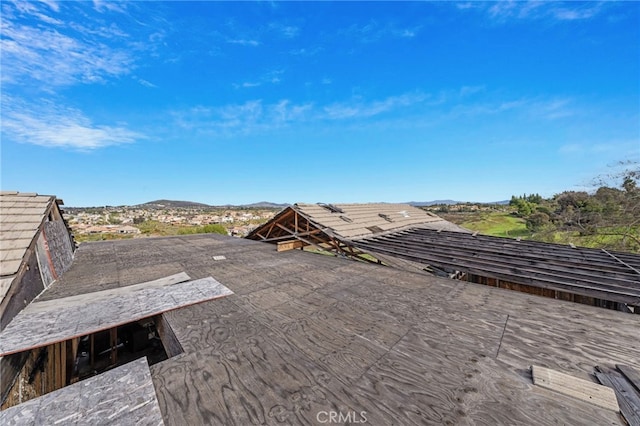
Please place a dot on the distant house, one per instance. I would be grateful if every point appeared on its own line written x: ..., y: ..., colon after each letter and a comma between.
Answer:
x: 37, y: 248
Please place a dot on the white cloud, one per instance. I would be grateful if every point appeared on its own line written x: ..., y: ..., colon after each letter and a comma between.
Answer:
x: 146, y: 83
x: 234, y: 119
x: 244, y: 42
x: 303, y: 51
x: 373, y: 31
x: 53, y: 5
x: 505, y: 10
x: 247, y: 84
x: 272, y: 77
x: 54, y: 54
x: 109, y: 6
x: 362, y: 109
x: 287, y: 31
x: 54, y: 126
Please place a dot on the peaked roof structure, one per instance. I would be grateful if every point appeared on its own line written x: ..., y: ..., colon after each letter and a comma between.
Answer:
x: 332, y: 227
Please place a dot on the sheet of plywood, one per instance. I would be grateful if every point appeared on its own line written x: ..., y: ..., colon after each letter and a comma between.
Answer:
x: 63, y: 319
x: 599, y: 395
x: 124, y: 395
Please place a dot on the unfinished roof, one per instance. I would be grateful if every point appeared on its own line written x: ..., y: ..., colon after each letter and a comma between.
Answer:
x: 47, y: 322
x: 21, y: 215
x: 124, y: 395
x: 352, y: 221
x: 587, y: 272
x: 306, y: 334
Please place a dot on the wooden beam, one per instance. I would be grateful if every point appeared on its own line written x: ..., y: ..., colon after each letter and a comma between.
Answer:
x: 290, y: 245
x: 93, y: 353
x: 74, y: 357
x: 300, y: 234
x: 627, y: 397
x: 113, y: 341
x: 631, y: 374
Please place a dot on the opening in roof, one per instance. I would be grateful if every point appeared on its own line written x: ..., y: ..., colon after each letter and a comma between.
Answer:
x: 385, y: 217
x: 55, y: 366
x: 331, y: 208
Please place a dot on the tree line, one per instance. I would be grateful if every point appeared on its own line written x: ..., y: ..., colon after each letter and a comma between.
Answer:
x: 612, y: 211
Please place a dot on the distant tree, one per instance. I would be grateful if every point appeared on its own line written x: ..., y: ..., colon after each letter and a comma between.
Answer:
x: 537, y: 221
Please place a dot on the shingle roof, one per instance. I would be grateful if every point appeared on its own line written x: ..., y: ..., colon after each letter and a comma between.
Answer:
x: 21, y: 215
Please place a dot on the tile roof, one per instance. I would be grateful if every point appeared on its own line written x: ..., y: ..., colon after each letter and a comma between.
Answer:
x: 352, y: 221
x: 21, y: 215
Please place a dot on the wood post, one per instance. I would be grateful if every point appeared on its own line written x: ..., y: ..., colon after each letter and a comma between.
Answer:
x: 113, y: 340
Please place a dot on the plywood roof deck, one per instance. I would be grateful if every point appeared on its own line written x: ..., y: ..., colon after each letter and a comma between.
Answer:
x: 306, y: 333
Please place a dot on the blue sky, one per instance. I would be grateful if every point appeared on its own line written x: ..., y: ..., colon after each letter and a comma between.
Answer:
x: 238, y: 102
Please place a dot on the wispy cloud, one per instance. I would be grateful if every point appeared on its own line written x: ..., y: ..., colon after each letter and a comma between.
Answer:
x: 237, y: 119
x: 53, y: 53
x: 533, y: 108
x: 243, y: 42
x: 47, y: 124
x: 286, y: 31
x: 508, y: 10
x: 109, y: 6
x: 374, y: 31
x: 146, y: 83
x: 306, y: 51
x: 271, y: 77
x: 362, y: 109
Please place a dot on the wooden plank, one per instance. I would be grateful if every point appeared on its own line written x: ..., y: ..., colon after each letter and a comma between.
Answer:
x: 631, y: 374
x: 59, y: 323
x: 290, y: 245
x: 113, y: 341
x: 628, y: 398
x: 124, y: 395
x: 599, y: 395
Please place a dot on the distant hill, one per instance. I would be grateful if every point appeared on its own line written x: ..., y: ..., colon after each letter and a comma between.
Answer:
x: 190, y: 204
x: 450, y: 202
x: 266, y: 205
x: 431, y: 203
x: 173, y: 204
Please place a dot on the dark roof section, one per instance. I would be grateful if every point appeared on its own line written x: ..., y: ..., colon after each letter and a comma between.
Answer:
x: 305, y: 334
x: 588, y: 272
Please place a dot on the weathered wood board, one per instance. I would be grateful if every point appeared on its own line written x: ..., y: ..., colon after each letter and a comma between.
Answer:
x: 599, y: 395
x: 124, y: 395
x: 60, y: 319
